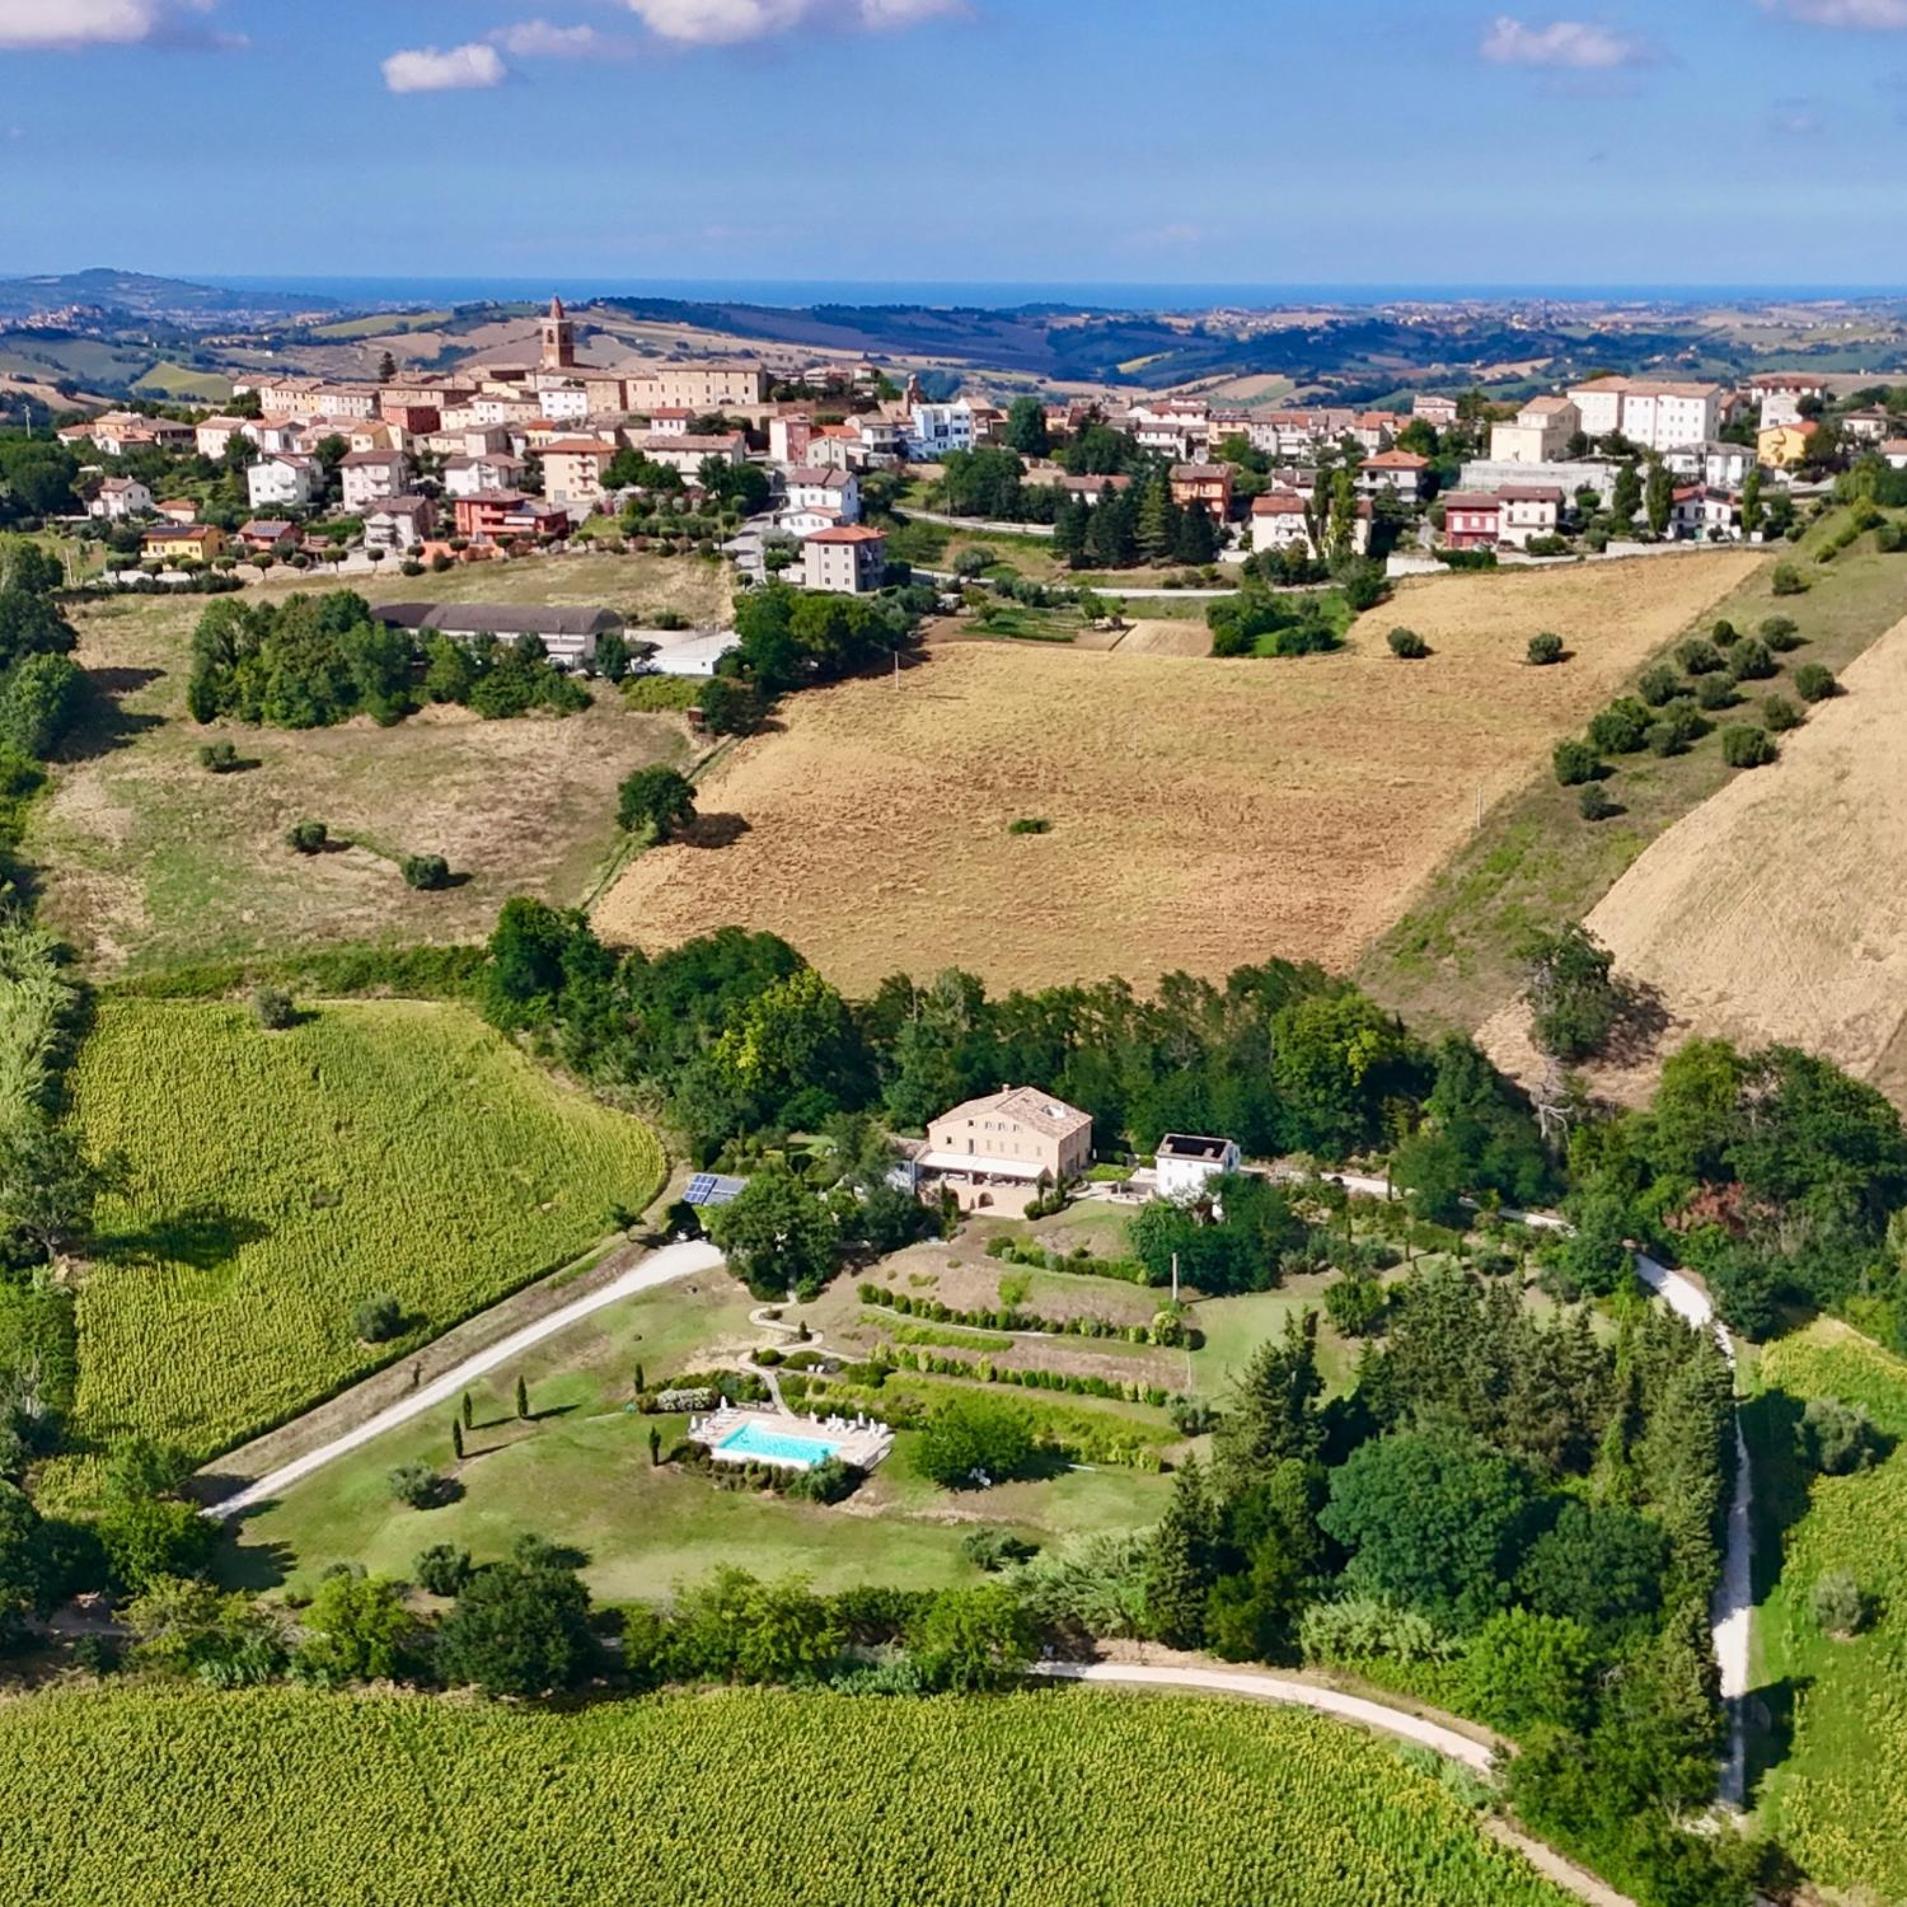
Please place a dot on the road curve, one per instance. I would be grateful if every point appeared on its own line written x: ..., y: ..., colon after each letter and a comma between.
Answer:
x: 659, y: 1268
x: 1265, y: 1687
x: 1257, y: 1685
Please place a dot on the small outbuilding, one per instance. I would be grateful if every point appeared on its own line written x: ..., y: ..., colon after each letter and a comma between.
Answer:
x: 570, y: 635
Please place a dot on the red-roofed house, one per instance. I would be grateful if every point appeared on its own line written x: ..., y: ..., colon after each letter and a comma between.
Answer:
x: 1399, y: 471
x: 850, y: 560
x: 1207, y: 487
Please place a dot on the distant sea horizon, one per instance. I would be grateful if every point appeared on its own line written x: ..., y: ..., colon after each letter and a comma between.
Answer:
x: 995, y: 295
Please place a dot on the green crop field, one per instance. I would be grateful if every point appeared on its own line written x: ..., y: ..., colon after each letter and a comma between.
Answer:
x: 275, y: 1180
x: 1835, y: 1795
x: 1053, y: 1799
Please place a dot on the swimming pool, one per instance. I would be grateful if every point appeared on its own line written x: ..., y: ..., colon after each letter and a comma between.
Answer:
x: 756, y: 1440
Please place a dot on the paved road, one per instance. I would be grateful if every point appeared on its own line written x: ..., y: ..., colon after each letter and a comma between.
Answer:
x: 659, y: 1268
x: 1258, y: 1685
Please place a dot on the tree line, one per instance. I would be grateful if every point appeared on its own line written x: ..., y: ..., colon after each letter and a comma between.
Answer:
x: 312, y: 661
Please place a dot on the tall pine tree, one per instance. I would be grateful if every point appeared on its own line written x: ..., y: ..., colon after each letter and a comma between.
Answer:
x: 1274, y: 1416
x: 1181, y: 1565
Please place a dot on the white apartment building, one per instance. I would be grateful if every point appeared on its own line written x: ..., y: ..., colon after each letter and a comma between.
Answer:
x: 371, y: 476
x: 286, y: 481
x: 1653, y: 412
x: 1722, y: 466
x: 938, y: 429
x: 564, y: 403
x: 837, y: 492
x: 474, y: 476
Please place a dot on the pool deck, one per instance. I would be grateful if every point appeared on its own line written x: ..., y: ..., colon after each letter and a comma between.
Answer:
x: 855, y: 1440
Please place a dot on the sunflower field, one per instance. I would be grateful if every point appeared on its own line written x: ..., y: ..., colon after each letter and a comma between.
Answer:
x: 273, y: 1181
x: 1048, y: 1799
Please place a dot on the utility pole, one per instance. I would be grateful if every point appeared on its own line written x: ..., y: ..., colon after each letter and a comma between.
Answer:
x: 1175, y: 1277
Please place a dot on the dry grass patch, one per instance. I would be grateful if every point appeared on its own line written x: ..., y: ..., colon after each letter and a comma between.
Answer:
x: 1777, y: 910
x: 148, y: 859
x: 1205, y: 814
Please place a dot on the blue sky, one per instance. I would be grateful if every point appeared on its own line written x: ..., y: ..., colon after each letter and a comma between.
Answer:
x: 1036, y: 141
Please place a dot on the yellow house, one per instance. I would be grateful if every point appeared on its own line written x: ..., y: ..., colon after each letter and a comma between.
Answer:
x: 1782, y: 446
x: 185, y: 542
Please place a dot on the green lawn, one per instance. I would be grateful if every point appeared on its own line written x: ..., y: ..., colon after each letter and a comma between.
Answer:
x: 1832, y: 1756
x: 1452, y: 959
x: 275, y: 1180
x: 1050, y: 1798
x: 580, y: 1474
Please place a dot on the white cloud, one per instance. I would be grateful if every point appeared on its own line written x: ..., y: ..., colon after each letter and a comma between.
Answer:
x: 539, y: 40
x: 426, y: 70
x: 1572, y: 44
x: 65, y: 25
x: 732, y: 22
x: 1874, y: 16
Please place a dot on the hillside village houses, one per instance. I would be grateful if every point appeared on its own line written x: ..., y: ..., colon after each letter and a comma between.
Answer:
x: 508, y: 453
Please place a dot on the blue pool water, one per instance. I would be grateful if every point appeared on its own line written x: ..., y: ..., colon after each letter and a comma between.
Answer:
x: 756, y: 1440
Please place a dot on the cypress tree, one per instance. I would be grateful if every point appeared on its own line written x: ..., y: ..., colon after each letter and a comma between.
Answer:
x: 522, y: 1398
x: 457, y: 1439
x: 1180, y: 1565
x: 1157, y: 525
x: 655, y: 1448
x: 640, y: 1385
x: 468, y: 1411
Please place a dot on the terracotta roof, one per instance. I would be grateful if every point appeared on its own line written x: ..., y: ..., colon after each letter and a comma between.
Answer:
x: 827, y: 477
x: 1530, y: 493
x: 1396, y: 460
x: 1472, y: 500
x: 578, y: 447
x: 1277, y: 505
x: 1202, y: 473
x: 1052, y: 1117
x: 848, y: 533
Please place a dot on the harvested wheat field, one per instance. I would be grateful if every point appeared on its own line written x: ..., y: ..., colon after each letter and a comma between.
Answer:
x: 1203, y: 814
x: 1777, y: 911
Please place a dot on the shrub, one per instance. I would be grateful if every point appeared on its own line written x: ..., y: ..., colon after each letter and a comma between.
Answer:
x: 1814, y: 682
x: 377, y: 1320
x: 1545, y: 649
x: 308, y: 837
x: 417, y: 1485
x: 1788, y: 581
x: 1659, y: 685
x: 1698, y: 657
x: 1836, y: 1438
x: 1679, y: 729
x: 1576, y: 762
x: 1715, y: 693
x: 1746, y: 746
x: 992, y: 1549
x: 426, y: 872
x: 1622, y: 728
x: 1407, y: 645
x: 1723, y: 633
x: 1780, y: 632
x: 1890, y: 539
x: 274, y: 1009
x: 1838, y: 1605
x: 218, y: 758
x: 1593, y: 804
x: 1778, y: 715
x: 1752, y: 661
x: 441, y: 1570
x: 1030, y: 824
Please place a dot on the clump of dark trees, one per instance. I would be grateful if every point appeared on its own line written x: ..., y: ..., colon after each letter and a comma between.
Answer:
x: 312, y: 661
x: 1516, y: 1518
